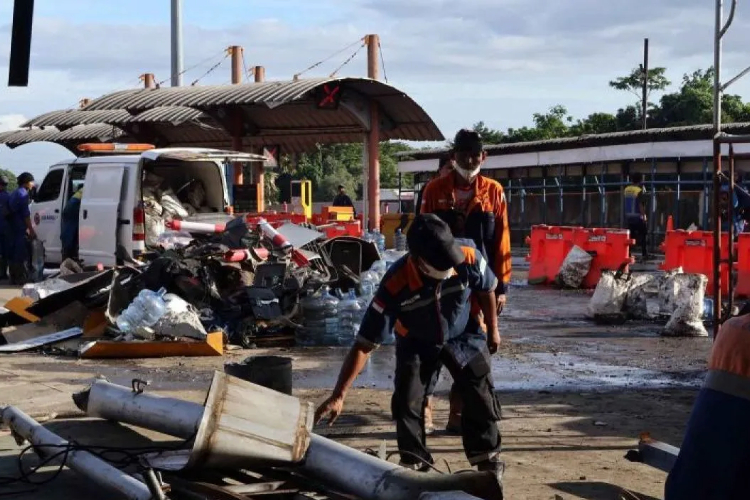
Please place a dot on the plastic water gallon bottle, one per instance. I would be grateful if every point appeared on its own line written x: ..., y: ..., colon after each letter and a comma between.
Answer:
x: 708, y: 309
x: 350, y: 317
x: 379, y: 267
x: 379, y: 240
x: 146, y: 310
x: 330, y: 307
x: 400, y: 240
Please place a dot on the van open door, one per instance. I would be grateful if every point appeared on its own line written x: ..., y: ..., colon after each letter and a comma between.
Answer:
x: 100, y: 214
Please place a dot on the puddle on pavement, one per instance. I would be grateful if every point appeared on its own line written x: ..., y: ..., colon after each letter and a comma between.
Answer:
x: 537, y: 371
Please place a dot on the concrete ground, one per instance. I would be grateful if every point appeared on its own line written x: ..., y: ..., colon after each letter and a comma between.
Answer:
x: 575, y: 398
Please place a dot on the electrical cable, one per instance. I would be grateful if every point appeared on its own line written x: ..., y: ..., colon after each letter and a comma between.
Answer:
x: 348, y: 60
x: 131, y: 457
x: 388, y: 455
x: 200, y: 63
x: 210, y: 70
x: 297, y: 75
x: 382, y: 62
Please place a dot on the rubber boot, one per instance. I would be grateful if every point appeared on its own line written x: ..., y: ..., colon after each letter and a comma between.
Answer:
x: 454, y: 416
x: 429, y: 425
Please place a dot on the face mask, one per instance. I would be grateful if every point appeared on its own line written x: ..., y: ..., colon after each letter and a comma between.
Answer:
x: 433, y: 273
x: 469, y: 175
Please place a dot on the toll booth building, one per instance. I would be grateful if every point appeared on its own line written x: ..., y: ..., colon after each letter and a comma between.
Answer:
x: 579, y: 181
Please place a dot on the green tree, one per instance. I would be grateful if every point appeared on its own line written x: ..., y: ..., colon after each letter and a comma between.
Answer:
x: 489, y: 136
x: 633, y: 82
x: 595, y: 123
x: 12, y: 185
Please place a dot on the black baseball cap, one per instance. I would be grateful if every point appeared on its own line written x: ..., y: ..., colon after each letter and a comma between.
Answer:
x: 468, y: 141
x: 430, y: 238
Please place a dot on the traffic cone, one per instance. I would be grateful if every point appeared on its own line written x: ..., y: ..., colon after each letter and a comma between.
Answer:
x: 670, y: 223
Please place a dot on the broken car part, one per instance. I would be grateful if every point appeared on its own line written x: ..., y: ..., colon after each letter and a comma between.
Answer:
x: 46, y: 444
x: 334, y: 464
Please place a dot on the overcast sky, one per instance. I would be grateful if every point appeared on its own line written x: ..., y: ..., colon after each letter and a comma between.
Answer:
x: 493, y: 60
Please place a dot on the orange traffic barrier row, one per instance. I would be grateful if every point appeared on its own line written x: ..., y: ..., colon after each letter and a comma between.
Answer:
x: 549, y: 245
x: 694, y: 252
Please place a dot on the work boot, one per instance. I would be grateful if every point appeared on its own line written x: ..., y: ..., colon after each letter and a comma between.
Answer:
x: 429, y: 425
x: 454, y: 415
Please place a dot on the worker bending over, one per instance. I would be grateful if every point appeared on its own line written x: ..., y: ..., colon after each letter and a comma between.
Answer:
x: 475, y: 208
x: 425, y: 298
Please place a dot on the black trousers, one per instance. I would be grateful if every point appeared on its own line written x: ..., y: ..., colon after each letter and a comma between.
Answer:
x: 639, y: 232
x: 416, y: 365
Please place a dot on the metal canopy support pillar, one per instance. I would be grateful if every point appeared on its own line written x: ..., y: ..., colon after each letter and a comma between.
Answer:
x: 176, y: 43
x: 373, y: 137
x: 148, y: 81
x: 730, y: 220
x: 718, y: 34
x: 237, y: 129
x: 259, y: 74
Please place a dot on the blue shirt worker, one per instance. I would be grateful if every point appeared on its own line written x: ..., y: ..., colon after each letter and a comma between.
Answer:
x: 21, y: 229
x: 634, y: 209
x: 4, y: 227
x: 425, y: 299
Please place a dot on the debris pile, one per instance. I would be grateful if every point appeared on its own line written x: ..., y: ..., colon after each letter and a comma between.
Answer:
x: 674, y: 298
x: 245, y: 281
x: 246, y: 440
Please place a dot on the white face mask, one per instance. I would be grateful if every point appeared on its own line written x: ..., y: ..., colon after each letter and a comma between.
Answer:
x: 433, y: 273
x: 469, y: 175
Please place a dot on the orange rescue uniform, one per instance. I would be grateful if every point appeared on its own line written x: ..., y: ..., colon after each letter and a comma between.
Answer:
x: 483, y: 218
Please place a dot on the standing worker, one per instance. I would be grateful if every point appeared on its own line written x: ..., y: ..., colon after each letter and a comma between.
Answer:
x: 476, y: 209
x: 425, y: 298
x: 635, y: 212
x: 69, y: 226
x: 21, y: 229
x: 342, y: 200
x: 4, y: 227
x: 445, y: 168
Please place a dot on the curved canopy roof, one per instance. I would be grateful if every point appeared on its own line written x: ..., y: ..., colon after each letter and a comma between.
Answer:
x: 275, y: 113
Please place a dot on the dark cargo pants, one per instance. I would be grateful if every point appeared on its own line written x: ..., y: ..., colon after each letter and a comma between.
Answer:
x: 416, y: 364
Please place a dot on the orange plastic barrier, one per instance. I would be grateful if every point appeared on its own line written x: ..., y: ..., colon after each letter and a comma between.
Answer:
x: 549, y: 246
x: 610, y: 249
x: 743, y: 265
x: 334, y: 229
x: 694, y: 252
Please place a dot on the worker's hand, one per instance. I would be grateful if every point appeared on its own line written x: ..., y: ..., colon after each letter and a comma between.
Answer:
x: 331, y: 408
x: 32, y: 234
x: 493, y: 341
x: 644, y: 218
x: 501, y: 300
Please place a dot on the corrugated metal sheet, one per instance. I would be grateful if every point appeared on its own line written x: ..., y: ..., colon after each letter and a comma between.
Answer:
x: 687, y: 133
x: 174, y: 115
x: 72, y: 117
x: 410, y: 120
x: 79, y: 134
x: 283, y: 113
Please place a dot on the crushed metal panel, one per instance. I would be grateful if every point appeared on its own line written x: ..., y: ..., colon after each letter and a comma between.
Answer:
x: 299, y: 236
x: 43, y: 340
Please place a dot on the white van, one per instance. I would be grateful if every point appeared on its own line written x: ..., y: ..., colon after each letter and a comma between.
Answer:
x: 112, y: 211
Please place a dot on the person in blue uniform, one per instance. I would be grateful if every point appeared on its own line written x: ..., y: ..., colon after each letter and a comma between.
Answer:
x: 635, y: 211
x: 4, y: 227
x: 425, y: 298
x: 69, y: 226
x: 21, y: 229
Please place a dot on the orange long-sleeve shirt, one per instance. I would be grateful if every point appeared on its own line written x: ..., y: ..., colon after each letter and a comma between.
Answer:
x: 488, y: 197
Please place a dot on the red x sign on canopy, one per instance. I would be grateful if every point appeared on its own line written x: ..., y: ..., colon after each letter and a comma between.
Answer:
x: 330, y: 96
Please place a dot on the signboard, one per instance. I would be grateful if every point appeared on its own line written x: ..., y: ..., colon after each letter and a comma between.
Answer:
x: 328, y: 96
x: 273, y: 156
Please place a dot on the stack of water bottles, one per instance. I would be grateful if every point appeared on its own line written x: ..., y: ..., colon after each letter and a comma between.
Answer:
x: 145, y: 311
x: 330, y: 321
x: 376, y: 237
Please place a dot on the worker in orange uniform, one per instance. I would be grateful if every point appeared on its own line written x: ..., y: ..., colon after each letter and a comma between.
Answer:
x: 475, y: 208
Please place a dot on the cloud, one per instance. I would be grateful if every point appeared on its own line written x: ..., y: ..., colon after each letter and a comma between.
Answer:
x: 11, y: 122
x: 493, y: 60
